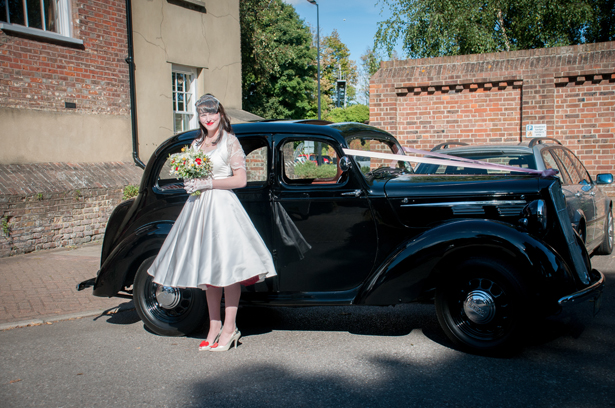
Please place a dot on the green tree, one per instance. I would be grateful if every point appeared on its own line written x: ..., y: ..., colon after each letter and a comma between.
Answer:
x: 370, y: 63
x: 602, y: 26
x: 431, y: 28
x: 354, y: 113
x: 335, y: 63
x: 278, y: 61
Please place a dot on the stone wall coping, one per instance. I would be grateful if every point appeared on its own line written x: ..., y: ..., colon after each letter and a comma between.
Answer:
x: 35, y: 178
x: 571, y: 51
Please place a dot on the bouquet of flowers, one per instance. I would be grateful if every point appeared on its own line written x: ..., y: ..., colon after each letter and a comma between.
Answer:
x: 190, y: 163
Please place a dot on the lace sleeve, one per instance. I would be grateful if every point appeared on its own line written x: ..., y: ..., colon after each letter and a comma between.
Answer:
x: 237, y: 157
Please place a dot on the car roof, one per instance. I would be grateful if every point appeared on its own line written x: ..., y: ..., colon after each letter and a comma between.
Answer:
x: 525, y: 147
x: 337, y: 131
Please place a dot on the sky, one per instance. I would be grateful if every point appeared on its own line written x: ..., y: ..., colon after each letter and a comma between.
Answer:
x: 356, y: 21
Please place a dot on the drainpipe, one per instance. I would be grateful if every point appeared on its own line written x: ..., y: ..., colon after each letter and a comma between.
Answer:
x: 130, y: 60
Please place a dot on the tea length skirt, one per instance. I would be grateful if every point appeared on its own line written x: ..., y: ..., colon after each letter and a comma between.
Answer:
x: 213, y: 242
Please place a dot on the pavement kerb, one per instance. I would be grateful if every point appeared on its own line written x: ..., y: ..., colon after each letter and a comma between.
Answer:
x: 53, y: 319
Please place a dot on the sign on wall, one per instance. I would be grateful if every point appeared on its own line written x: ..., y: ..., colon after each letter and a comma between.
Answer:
x: 535, y: 131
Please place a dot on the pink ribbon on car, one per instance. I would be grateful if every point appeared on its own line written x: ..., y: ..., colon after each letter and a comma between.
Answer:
x: 447, y: 160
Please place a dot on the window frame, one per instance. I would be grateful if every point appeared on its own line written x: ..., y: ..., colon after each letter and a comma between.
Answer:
x: 335, y: 181
x: 63, y: 20
x: 193, y: 122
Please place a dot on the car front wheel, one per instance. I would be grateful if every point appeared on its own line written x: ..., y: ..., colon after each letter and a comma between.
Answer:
x: 607, y: 243
x: 166, y: 310
x: 481, y: 306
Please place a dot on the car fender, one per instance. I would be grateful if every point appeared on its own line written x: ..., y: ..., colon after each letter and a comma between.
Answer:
x: 120, y: 266
x: 114, y: 224
x: 412, y: 271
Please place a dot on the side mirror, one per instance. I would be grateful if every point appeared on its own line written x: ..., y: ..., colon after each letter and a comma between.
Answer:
x: 345, y: 164
x: 604, y: 179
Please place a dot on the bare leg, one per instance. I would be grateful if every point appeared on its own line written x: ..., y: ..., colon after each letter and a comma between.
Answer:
x: 214, y: 297
x: 232, y: 294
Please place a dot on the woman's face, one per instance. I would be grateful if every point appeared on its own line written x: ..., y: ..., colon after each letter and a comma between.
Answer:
x: 211, y: 121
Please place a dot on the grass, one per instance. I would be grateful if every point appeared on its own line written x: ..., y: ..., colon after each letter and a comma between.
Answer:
x: 130, y: 191
x: 6, y: 228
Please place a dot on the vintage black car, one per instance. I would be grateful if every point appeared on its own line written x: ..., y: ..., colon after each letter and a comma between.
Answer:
x: 492, y: 252
x: 589, y: 208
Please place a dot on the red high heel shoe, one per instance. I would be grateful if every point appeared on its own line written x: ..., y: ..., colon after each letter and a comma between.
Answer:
x: 205, y: 345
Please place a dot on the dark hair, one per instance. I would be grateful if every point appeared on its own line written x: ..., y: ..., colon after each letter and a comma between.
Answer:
x: 225, y: 124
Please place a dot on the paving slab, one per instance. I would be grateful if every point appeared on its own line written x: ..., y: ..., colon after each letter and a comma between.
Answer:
x: 40, y: 287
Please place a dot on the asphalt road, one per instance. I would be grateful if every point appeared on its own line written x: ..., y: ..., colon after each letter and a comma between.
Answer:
x: 316, y: 357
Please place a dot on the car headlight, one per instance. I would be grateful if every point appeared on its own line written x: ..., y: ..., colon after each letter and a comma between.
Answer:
x: 535, y: 216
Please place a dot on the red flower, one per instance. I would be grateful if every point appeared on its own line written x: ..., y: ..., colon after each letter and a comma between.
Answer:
x: 198, y: 161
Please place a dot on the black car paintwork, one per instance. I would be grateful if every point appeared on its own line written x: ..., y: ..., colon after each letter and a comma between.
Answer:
x: 588, y: 206
x: 365, y: 250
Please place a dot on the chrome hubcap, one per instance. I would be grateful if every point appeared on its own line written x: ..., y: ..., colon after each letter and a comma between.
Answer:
x: 479, y: 307
x: 167, y: 297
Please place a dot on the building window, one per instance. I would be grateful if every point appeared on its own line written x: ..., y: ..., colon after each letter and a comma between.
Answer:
x: 46, y: 15
x: 184, y: 98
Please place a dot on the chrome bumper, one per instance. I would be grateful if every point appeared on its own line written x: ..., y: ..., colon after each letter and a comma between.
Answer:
x: 593, y: 292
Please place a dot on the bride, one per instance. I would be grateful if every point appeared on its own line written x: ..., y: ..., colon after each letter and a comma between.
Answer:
x: 213, y: 245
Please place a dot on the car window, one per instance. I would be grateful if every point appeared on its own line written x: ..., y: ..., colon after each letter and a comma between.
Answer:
x: 255, y: 149
x: 166, y: 181
x: 308, y: 161
x: 372, y: 144
x: 581, y: 170
x: 525, y: 161
x: 257, y: 159
x: 552, y: 163
x: 567, y: 166
x: 256, y: 165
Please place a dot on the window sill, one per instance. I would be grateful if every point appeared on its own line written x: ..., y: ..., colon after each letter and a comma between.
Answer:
x: 41, y: 35
x: 195, y: 5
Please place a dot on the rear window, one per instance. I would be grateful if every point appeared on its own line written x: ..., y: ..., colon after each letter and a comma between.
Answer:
x: 525, y: 161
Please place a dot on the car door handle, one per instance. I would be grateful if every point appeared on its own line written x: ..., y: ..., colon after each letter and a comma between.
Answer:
x: 579, y: 194
x: 593, y: 193
x: 356, y: 193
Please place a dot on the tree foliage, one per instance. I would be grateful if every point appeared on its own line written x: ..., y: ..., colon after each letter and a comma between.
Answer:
x: 354, y: 113
x: 370, y: 63
x: 278, y: 61
x: 431, y: 28
x: 336, y: 64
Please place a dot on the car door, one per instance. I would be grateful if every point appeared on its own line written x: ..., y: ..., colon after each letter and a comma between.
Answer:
x: 595, y: 227
x: 324, y: 231
x: 579, y: 201
x: 572, y: 201
x: 255, y: 198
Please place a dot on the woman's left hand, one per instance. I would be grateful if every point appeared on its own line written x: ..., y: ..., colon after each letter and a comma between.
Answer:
x: 197, y: 184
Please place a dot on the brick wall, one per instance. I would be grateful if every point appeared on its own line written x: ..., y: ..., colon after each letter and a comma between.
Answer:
x: 43, y: 76
x: 58, y: 204
x: 490, y: 98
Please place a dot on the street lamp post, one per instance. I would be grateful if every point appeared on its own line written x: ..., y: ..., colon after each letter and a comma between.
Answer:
x: 317, y: 49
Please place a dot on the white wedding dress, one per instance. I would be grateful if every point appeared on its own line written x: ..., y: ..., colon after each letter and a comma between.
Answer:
x: 213, y: 242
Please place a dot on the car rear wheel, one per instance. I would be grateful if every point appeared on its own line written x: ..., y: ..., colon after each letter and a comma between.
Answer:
x: 166, y: 310
x: 481, y: 306
x: 607, y: 243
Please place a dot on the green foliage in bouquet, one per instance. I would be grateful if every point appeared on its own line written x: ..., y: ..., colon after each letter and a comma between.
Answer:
x: 190, y: 163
